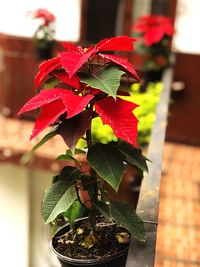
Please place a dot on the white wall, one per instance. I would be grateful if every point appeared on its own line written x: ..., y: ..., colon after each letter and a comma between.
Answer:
x: 25, y: 238
x: 39, y: 238
x: 14, y: 19
x: 14, y: 228
x: 187, y: 37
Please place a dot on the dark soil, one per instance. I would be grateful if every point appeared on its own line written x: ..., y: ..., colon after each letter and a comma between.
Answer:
x: 82, y: 243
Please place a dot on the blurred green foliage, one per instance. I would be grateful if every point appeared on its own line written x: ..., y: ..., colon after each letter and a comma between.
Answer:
x: 145, y: 113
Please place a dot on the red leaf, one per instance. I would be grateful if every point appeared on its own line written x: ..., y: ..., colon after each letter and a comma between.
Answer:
x: 72, y: 61
x: 70, y: 47
x: 153, y: 28
x: 91, y: 90
x: 123, y: 62
x: 74, y: 58
x: 95, y: 91
x: 169, y: 30
x: 53, y: 103
x: 118, y: 114
x: 154, y: 35
x: 44, y: 69
x: 74, y: 81
x: 75, y: 104
x: 48, y: 115
x: 41, y: 99
x: 119, y: 43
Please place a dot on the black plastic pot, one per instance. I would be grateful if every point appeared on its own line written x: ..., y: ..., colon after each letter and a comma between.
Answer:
x: 117, y: 260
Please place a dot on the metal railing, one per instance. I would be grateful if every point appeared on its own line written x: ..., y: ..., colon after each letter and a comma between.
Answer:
x: 143, y: 255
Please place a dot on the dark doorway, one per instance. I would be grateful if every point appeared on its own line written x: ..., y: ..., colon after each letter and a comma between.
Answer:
x: 101, y: 19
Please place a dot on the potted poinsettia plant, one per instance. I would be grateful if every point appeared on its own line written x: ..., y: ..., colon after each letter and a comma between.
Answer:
x: 72, y: 89
x: 44, y: 35
x: 154, y: 34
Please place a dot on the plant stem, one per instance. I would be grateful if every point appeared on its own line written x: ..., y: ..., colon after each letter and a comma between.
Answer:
x: 92, y: 214
x: 89, y: 138
x: 92, y: 171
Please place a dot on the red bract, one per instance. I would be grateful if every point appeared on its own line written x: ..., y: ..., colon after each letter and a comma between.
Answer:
x: 123, y: 62
x: 50, y: 66
x: 153, y: 28
x: 44, y: 69
x: 72, y: 47
x: 44, y: 14
x: 119, y: 115
x: 74, y: 81
x: 73, y: 59
x: 119, y: 43
x: 75, y: 68
x: 54, y: 102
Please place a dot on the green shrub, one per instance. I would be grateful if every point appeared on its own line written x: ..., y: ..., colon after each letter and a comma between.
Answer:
x: 145, y: 113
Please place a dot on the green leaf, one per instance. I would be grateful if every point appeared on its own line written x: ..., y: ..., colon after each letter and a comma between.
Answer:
x: 29, y: 156
x: 55, y: 179
x: 48, y: 136
x: 51, y: 83
x: 125, y: 216
x: 133, y: 156
x: 79, y: 151
x: 75, y: 211
x: 106, y: 80
x: 104, y: 209
x: 54, y: 228
x: 58, y: 198
x: 69, y: 174
x: 67, y: 156
x: 107, y: 161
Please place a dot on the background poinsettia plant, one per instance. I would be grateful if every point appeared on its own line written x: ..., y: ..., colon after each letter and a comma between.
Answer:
x: 154, y: 34
x: 43, y: 37
x: 72, y: 89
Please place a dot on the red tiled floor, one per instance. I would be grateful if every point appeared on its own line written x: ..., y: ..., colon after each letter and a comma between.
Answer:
x: 179, y: 212
x: 14, y: 135
x: 14, y: 144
